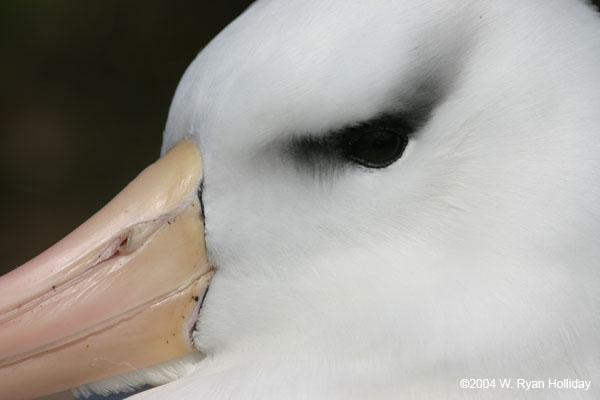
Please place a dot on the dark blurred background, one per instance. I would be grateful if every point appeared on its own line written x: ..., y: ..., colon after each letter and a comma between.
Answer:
x: 85, y: 88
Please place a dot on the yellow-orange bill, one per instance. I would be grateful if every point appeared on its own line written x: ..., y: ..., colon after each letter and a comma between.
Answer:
x: 120, y: 292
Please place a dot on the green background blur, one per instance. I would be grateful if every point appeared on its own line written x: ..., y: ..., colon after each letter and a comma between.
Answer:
x: 85, y: 88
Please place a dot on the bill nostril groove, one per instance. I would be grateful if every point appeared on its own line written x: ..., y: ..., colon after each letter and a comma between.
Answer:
x: 200, y: 188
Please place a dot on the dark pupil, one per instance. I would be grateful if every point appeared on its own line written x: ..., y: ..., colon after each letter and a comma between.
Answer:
x: 377, y: 149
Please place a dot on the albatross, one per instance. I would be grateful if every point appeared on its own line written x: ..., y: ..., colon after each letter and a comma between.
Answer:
x: 392, y: 199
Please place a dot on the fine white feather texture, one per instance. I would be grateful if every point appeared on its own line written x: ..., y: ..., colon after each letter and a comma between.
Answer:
x: 476, y: 255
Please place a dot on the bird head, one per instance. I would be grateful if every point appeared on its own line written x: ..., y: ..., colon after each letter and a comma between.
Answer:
x: 394, y: 195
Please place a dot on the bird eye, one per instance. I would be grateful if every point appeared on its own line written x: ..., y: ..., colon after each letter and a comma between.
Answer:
x: 377, y: 149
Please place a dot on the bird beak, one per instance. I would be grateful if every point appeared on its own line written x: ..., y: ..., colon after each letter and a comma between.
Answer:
x: 120, y: 292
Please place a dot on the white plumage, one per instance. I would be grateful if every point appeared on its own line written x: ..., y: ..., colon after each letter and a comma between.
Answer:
x: 475, y: 255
